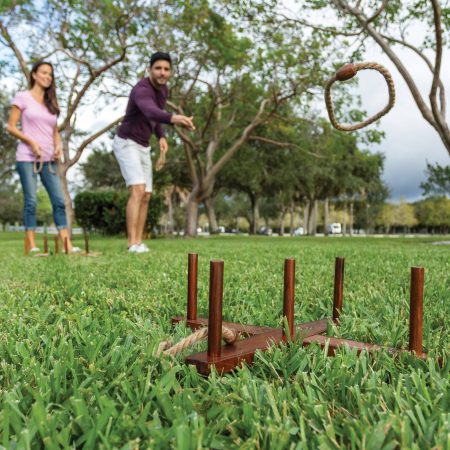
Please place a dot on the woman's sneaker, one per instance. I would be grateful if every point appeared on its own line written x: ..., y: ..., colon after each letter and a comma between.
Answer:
x: 35, y: 250
x: 75, y: 250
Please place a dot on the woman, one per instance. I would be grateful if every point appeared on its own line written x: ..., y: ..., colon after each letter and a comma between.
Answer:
x: 39, y: 147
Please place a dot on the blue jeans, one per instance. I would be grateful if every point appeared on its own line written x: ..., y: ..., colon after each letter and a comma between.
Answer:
x: 52, y: 185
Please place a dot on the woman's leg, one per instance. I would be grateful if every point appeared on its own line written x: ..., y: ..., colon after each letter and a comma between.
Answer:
x: 28, y: 179
x: 53, y: 187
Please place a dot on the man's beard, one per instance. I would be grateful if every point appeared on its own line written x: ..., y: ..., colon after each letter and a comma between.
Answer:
x: 158, y: 81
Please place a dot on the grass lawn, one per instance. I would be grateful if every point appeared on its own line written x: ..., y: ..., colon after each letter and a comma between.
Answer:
x: 78, y: 335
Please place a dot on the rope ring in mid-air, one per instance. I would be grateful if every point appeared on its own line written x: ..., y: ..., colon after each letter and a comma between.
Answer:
x: 349, y: 71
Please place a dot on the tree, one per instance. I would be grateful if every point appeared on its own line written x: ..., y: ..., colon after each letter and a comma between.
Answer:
x: 387, y: 23
x: 265, y: 169
x: 90, y: 44
x: 101, y: 170
x: 438, y: 181
x: 10, y: 198
x: 386, y: 217
x: 7, y: 145
x: 404, y: 215
x: 230, y: 85
x: 434, y: 213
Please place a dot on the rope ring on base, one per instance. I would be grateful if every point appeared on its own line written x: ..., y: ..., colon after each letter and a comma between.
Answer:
x: 165, y: 348
x: 349, y: 71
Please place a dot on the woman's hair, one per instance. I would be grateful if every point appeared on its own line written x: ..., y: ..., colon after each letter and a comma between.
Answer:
x: 50, y: 100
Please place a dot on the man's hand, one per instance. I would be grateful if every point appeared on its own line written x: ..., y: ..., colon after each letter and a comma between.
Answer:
x: 183, y: 121
x: 163, y: 147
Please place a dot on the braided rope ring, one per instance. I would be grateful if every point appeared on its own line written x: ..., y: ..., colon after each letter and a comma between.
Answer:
x: 38, y: 165
x: 165, y: 347
x: 349, y: 71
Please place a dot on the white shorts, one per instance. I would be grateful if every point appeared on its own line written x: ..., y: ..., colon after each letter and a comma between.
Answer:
x: 134, y: 162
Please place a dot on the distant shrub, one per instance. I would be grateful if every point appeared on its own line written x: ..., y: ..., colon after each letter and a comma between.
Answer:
x: 105, y: 211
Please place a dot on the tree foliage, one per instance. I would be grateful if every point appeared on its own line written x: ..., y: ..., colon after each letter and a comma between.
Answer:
x: 438, y: 180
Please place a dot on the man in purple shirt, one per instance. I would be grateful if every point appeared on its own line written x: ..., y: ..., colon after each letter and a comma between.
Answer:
x: 144, y: 116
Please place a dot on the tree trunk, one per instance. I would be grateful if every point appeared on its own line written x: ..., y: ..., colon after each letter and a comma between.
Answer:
x: 351, y: 219
x: 67, y: 199
x: 368, y: 221
x: 170, y: 212
x: 282, y: 217
x: 191, y: 216
x: 306, y: 219
x: 310, y: 207
x: 255, y: 214
x: 344, y: 225
x: 315, y: 207
x: 291, y: 223
x: 209, y: 205
x: 326, y: 214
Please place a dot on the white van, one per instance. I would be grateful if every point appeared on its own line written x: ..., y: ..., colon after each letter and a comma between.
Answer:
x: 334, y: 228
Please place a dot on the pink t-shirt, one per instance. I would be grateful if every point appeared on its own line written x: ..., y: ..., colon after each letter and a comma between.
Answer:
x: 37, y: 124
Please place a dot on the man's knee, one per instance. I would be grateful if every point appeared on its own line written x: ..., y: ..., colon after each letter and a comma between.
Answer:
x: 137, y: 191
x: 146, y: 197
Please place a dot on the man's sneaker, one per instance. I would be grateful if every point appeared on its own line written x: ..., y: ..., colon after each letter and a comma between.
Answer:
x: 75, y: 250
x: 136, y: 248
x: 144, y: 247
x: 35, y: 250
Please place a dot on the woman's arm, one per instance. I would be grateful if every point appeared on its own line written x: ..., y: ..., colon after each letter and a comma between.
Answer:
x: 14, y: 117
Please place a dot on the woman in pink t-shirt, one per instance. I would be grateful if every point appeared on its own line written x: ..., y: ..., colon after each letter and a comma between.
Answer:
x: 39, y: 147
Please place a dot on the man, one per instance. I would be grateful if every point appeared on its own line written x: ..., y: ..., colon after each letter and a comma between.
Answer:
x: 144, y: 116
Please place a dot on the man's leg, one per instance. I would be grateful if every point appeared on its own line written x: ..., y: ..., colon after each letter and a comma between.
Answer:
x: 142, y: 220
x: 137, y: 193
x: 146, y: 164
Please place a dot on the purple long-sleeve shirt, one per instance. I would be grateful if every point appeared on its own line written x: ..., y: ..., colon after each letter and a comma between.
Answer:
x: 145, y: 113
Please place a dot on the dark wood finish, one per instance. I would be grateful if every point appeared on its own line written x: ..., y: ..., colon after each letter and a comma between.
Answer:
x: 244, y: 350
x: 192, y: 286
x: 86, y: 243
x: 45, y: 244
x: 56, y: 245
x: 335, y: 343
x: 246, y: 330
x: 346, y: 72
x: 215, y: 309
x: 66, y: 246
x: 338, y: 288
x: 416, y: 310
x: 289, y: 296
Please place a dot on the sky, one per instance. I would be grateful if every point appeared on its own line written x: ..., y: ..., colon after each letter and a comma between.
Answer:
x: 410, y: 141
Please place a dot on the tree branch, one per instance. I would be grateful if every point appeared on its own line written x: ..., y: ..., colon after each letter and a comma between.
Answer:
x: 437, y: 64
x: 91, y: 139
x: 427, y: 62
x: 424, y: 109
x: 283, y: 145
x: 378, y: 12
x: 257, y: 120
x: 14, y: 48
x: 94, y: 75
x: 331, y: 30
